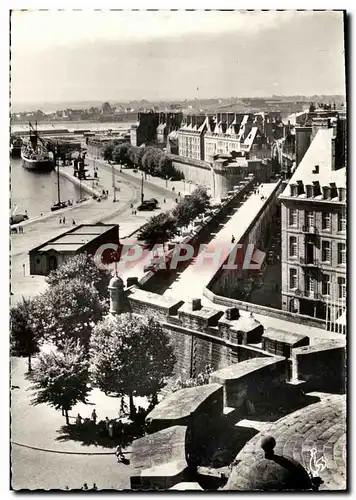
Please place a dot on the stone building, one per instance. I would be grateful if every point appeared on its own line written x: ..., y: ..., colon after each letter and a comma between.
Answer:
x: 84, y: 238
x: 314, y: 229
x: 168, y: 122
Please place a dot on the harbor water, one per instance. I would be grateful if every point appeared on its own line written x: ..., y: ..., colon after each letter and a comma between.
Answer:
x: 36, y: 192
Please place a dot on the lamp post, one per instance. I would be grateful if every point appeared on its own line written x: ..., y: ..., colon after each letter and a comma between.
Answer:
x: 166, y: 181
x: 113, y: 183
x: 142, y: 195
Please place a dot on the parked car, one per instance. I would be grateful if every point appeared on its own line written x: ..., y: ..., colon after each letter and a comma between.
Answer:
x: 145, y: 206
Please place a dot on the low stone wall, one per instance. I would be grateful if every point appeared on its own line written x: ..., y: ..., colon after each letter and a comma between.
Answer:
x: 263, y: 310
x: 200, y: 235
x: 322, y: 366
x: 250, y: 381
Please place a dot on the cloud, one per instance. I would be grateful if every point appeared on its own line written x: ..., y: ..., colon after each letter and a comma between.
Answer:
x: 42, y: 29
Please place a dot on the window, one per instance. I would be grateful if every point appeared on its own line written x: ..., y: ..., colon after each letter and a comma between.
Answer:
x: 325, y: 286
x: 341, y: 221
x: 309, y: 219
x: 293, y: 217
x: 342, y: 287
x: 341, y: 253
x: 292, y: 279
x: 293, y: 246
x: 309, y: 285
x: 326, y: 251
x: 326, y: 221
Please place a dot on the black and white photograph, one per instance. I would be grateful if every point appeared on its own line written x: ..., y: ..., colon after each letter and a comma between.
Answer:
x: 178, y: 250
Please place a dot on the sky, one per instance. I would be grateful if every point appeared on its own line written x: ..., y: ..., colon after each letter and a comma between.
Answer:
x: 132, y: 55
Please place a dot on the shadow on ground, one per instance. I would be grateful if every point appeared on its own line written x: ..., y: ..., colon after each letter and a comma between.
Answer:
x: 90, y: 434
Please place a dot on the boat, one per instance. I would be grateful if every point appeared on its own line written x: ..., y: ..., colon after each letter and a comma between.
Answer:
x: 35, y: 155
x: 59, y: 204
x: 15, y: 147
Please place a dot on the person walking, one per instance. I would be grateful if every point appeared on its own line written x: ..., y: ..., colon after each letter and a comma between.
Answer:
x: 78, y: 420
x: 233, y: 239
x: 111, y: 429
x: 60, y: 220
x: 94, y: 416
x: 107, y: 423
x: 94, y: 488
x: 64, y: 220
x: 85, y: 487
x: 73, y: 222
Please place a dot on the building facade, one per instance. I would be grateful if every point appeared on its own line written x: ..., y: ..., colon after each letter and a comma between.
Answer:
x: 314, y: 232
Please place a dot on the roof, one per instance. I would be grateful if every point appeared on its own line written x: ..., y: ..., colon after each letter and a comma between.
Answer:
x: 183, y: 403
x: 251, y: 137
x: 318, y: 153
x: 75, y: 238
x: 290, y: 338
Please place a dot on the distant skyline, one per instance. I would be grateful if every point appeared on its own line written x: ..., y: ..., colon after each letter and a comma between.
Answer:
x: 73, y: 56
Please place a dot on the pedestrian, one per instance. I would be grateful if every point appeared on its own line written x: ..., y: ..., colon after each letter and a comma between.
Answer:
x: 60, y: 220
x: 135, y: 212
x: 107, y: 423
x: 176, y: 200
x: 107, y: 193
x: 131, y: 205
x: 164, y: 200
x: 64, y: 220
x: 78, y: 420
x: 24, y: 269
x: 95, y: 488
x: 94, y: 416
x: 41, y: 214
x: 178, y: 193
x: 73, y: 222
x: 111, y: 429
x: 118, y: 452
x: 233, y: 239
x: 85, y: 487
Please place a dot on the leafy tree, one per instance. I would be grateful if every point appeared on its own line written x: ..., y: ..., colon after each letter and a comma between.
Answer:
x: 121, y: 153
x: 108, y: 151
x: 130, y: 356
x: 69, y: 310
x: 60, y: 378
x: 81, y: 266
x: 158, y: 229
x: 190, y: 207
x: 24, y: 337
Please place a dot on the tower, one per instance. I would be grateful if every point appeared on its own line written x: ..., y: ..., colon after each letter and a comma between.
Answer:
x: 117, y: 296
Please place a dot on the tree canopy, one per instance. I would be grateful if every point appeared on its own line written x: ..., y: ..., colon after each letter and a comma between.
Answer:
x: 158, y: 229
x: 69, y: 309
x: 81, y: 266
x: 60, y: 379
x: 130, y: 356
x: 24, y: 336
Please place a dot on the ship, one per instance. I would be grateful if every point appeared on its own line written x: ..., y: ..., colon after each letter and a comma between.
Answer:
x: 35, y: 155
x: 15, y: 147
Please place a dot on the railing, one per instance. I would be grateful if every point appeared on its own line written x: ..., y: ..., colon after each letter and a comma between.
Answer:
x: 309, y: 262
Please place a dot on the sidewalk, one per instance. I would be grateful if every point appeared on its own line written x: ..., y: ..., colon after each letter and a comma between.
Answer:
x: 40, y: 427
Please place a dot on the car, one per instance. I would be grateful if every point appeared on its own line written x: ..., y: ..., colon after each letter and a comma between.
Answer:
x: 135, y: 170
x: 145, y: 206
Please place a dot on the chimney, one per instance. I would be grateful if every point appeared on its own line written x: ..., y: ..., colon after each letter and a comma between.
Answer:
x: 333, y: 153
x: 293, y: 189
x: 309, y: 190
x: 326, y: 192
x: 316, y: 188
x: 300, y: 187
x: 342, y: 194
x: 232, y: 313
x: 333, y: 190
x: 196, y: 304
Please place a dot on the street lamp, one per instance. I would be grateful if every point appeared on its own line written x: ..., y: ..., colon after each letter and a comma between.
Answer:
x: 113, y: 183
x: 166, y: 180
x: 142, y: 196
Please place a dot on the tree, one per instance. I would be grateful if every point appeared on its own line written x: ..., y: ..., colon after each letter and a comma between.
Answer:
x: 69, y: 310
x: 190, y: 207
x: 108, y: 151
x: 158, y: 229
x: 121, y: 153
x: 130, y: 356
x: 83, y: 266
x: 24, y: 337
x: 60, y: 378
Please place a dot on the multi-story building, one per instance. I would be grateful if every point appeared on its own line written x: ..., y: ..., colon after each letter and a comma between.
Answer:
x: 314, y: 229
x: 190, y: 137
x: 168, y: 122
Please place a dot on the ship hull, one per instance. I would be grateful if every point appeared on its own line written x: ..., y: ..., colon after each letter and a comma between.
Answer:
x: 39, y: 165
